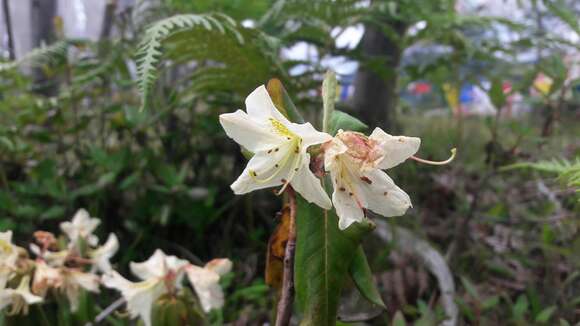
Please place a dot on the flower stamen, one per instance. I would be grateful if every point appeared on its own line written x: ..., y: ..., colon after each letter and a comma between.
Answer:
x: 295, y: 168
x: 447, y: 161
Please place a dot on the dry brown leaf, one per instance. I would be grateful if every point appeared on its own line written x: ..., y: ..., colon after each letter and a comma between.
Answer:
x: 276, y: 249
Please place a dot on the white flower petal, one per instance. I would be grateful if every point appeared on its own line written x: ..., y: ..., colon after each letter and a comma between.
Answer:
x: 259, y: 106
x: 221, y: 266
x: 140, y: 296
x: 347, y: 210
x: 82, y: 226
x: 309, y: 186
x: 154, y: 267
x: 395, y: 148
x: 383, y: 196
x: 206, y: 285
x: 252, y: 135
x: 87, y: 281
x: 102, y: 255
x: 332, y: 150
x: 309, y: 135
x: 8, y: 252
x: 74, y: 281
x: 266, y: 169
x: 23, y: 290
x: 18, y: 298
x: 45, y: 277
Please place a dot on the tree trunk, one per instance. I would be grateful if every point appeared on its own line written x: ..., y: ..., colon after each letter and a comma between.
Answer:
x: 375, y: 97
x: 42, y: 14
x: 9, y: 33
x: 108, y: 20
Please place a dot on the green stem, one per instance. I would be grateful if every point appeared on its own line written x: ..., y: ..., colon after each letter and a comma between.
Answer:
x: 42, y: 314
x: 328, y: 97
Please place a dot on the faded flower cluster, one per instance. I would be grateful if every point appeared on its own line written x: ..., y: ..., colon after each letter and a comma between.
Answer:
x: 355, y: 162
x: 67, y: 266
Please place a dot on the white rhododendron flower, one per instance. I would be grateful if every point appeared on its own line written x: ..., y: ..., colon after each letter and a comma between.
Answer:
x: 18, y: 299
x: 82, y: 227
x: 205, y: 281
x: 279, y: 147
x: 74, y: 281
x: 54, y: 258
x: 101, y: 256
x: 355, y: 163
x: 8, y: 252
x: 71, y: 281
x: 160, y: 274
x: 45, y: 277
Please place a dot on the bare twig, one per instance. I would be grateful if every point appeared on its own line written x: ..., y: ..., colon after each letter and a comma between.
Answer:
x: 105, y: 313
x: 284, y: 312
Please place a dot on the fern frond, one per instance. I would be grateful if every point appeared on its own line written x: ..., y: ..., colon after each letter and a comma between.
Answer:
x: 567, y: 171
x: 40, y: 56
x: 151, y: 47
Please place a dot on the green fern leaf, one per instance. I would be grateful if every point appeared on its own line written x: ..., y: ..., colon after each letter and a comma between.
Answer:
x: 150, y: 50
x: 568, y: 171
x: 40, y: 56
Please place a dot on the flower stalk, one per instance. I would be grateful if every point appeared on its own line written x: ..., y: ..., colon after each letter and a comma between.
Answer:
x: 284, y: 311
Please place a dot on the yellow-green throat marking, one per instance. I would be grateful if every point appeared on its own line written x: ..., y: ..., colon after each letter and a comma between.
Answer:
x: 291, y: 156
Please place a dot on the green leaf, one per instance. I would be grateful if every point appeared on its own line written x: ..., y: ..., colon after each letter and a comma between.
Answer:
x: 53, y: 212
x: 323, y: 257
x: 104, y: 180
x: 342, y: 120
x: 362, y: 277
x: 151, y: 47
x: 521, y: 307
x: 496, y: 94
x: 399, y: 319
x: 563, y: 322
x: 489, y: 303
x: 560, y: 9
x: 545, y: 314
x: 470, y: 288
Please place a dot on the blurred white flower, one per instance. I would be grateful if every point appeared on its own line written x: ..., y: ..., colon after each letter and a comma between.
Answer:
x: 205, y: 281
x: 8, y: 253
x: 45, y: 277
x: 100, y: 256
x: 71, y: 281
x: 279, y: 147
x: 160, y: 274
x: 18, y: 299
x: 355, y: 163
x: 82, y: 227
x: 53, y: 258
x: 74, y: 281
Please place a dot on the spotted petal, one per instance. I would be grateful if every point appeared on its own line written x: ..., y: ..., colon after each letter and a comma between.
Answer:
x: 383, y: 196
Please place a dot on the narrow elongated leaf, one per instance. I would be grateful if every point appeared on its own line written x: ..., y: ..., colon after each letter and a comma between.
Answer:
x: 282, y: 101
x: 362, y: 277
x: 323, y: 257
x: 329, y: 86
